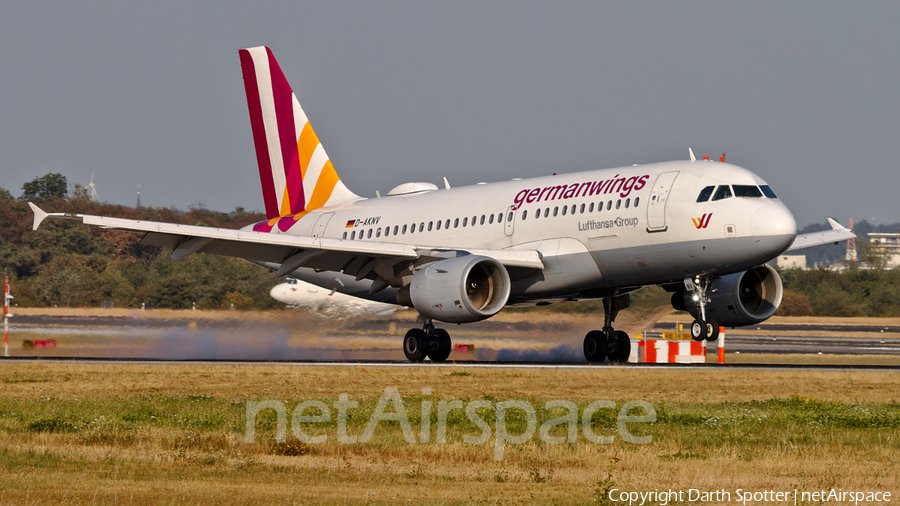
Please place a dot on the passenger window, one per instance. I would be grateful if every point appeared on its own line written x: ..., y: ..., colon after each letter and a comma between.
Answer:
x: 387, y: 231
x: 369, y: 234
x: 705, y: 193
x: 345, y: 235
x: 430, y: 223
x: 456, y: 223
x: 422, y: 227
x: 627, y: 203
x: 439, y: 224
x: 582, y: 209
x: 482, y: 220
x: 465, y: 221
x: 524, y: 215
x: 565, y: 208
x: 591, y: 208
x: 555, y: 211
x: 378, y: 232
x: 404, y: 229
x: 474, y: 220
x: 573, y: 208
x: 636, y: 200
x: 491, y: 220
x: 768, y: 191
x: 447, y: 223
x: 353, y: 235
x: 609, y: 205
x: 500, y: 217
x: 723, y: 192
x: 537, y: 214
x: 395, y: 229
x: 747, y: 191
x: 618, y: 203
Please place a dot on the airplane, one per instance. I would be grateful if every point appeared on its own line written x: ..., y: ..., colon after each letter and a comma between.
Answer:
x: 300, y: 294
x: 703, y: 230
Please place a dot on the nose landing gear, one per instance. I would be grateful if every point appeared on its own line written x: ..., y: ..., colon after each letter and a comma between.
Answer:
x: 701, y: 328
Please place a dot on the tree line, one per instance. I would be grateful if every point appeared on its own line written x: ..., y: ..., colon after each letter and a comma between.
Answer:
x: 68, y: 264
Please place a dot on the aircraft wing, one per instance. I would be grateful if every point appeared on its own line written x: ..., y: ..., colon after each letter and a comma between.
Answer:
x: 364, y: 259
x: 837, y: 234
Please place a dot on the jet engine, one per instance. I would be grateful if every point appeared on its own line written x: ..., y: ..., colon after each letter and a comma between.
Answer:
x: 744, y: 298
x: 458, y: 290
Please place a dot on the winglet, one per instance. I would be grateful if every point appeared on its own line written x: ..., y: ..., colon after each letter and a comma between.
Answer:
x: 446, y: 184
x: 691, y: 152
x: 835, y: 225
x: 39, y: 215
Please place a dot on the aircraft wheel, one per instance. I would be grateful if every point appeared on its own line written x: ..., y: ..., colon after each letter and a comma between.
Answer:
x: 699, y: 330
x: 712, y: 330
x: 595, y: 346
x: 623, y: 348
x: 414, y: 345
x: 443, y: 348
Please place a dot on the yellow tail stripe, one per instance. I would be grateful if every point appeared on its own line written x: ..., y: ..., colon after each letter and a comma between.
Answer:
x: 324, y: 186
x: 306, y: 146
x: 285, y: 203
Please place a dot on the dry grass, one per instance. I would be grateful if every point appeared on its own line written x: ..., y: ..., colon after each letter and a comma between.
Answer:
x: 173, y: 434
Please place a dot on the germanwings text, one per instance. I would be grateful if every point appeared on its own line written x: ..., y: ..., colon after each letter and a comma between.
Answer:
x: 622, y: 186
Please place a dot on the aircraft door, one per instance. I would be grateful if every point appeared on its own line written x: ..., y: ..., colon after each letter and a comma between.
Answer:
x: 656, y: 208
x: 321, y: 223
x: 510, y: 226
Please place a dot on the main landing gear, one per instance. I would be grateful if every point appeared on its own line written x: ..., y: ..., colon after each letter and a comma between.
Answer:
x: 701, y: 328
x: 609, y: 343
x: 427, y: 342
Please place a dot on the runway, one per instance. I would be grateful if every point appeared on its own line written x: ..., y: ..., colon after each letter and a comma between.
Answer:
x: 309, y: 339
x: 453, y: 364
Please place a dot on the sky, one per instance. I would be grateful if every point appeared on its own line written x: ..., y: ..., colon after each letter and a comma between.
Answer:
x: 806, y: 94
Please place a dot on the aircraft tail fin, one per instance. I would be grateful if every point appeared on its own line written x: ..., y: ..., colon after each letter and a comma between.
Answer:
x: 294, y: 170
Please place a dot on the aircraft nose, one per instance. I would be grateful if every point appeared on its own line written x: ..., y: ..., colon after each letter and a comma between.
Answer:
x: 774, y: 228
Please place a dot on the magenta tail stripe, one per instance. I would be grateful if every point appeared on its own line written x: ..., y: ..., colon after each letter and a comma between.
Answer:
x: 259, y: 135
x: 284, y: 112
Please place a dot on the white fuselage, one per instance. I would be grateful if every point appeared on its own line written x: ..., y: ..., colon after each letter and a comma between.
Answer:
x: 596, y: 231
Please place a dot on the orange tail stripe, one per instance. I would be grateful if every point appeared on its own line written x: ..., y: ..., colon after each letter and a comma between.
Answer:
x: 324, y: 186
x: 306, y: 145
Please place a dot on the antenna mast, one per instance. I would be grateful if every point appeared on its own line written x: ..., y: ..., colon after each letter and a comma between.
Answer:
x: 851, y: 246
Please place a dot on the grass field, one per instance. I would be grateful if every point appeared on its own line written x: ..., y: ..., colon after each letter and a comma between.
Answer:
x: 175, y: 434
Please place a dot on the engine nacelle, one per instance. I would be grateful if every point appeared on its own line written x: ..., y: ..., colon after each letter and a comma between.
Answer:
x: 744, y: 298
x: 458, y: 290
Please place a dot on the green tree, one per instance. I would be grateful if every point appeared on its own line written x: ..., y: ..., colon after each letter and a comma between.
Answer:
x: 50, y: 186
x: 5, y: 195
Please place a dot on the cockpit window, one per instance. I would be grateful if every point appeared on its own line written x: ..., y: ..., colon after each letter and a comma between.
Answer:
x: 745, y: 190
x: 705, y: 193
x: 768, y: 191
x: 723, y: 192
